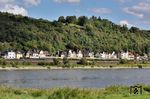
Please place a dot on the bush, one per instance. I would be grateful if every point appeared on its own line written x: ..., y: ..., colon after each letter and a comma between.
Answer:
x: 56, y: 61
x: 13, y: 64
x: 66, y: 66
x: 37, y: 93
x: 140, y: 66
x: 83, y: 61
x: 65, y: 61
x: 26, y: 63
x: 144, y: 62
x: 3, y: 62
x: 123, y: 61
x: 49, y: 67
x: 110, y: 66
x: 146, y: 88
x: 43, y: 63
x: 92, y: 62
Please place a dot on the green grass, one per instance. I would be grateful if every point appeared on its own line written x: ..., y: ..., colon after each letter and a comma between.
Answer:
x: 113, y: 92
x: 78, y: 65
x: 86, y: 63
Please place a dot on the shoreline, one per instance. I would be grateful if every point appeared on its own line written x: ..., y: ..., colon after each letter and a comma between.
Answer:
x: 74, y: 68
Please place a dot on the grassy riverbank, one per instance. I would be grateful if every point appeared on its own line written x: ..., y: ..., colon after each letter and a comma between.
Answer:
x: 73, y: 64
x: 18, y: 66
x: 114, y: 92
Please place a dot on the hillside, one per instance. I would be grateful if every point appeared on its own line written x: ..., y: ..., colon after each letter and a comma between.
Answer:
x: 24, y: 33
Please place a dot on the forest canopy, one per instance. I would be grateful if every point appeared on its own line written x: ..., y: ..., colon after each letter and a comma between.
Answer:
x: 24, y: 33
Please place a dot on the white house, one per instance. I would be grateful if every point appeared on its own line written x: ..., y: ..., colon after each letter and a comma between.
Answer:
x: 10, y: 55
x: 131, y: 56
x: 41, y: 54
x: 100, y: 55
x: 34, y: 54
x: 103, y: 55
x: 97, y: 55
x: 63, y: 54
x: 69, y: 53
x: 144, y: 57
x: 72, y: 54
x: 28, y: 54
x: 127, y: 55
x: 37, y: 54
x: 19, y: 55
x: 91, y: 54
x: 124, y: 55
x: 113, y: 55
x: 79, y: 54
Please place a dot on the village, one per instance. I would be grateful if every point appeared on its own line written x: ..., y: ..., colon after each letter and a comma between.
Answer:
x: 70, y: 54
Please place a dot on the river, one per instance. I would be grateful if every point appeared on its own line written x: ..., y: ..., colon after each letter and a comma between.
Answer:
x: 74, y: 78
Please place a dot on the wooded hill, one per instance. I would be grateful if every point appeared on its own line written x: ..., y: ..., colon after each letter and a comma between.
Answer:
x: 24, y: 33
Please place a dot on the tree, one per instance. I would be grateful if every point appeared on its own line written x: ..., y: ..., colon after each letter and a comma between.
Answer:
x: 99, y: 18
x: 61, y: 19
x: 124, y: 28
x: 93, y: 18
x: 25, y: 33
x: 134, y: 30
x: 71, y: 19
x: 82, y: 20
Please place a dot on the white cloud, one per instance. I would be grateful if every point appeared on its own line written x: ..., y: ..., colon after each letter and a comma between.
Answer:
x: 122, y: 1
x: 133, y: 12
x: 101, y: 10
x: 67, y: 1
x: 141, y: 10
x: 6, y: 1
x: 32, y: 2
x: 14, y: 9
x: 11, y: 6
x: 125, y: 22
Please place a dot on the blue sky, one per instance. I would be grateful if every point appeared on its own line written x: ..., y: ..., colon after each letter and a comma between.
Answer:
x: 130, y: 12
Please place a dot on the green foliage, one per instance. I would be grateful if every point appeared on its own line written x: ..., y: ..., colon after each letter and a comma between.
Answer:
x: 123, y: 61
x: 83, y: 61
x: 146, y: 88
x: 140, y: 66
x: 3, y: 62
x: 71, y: 19
x: 26, y: 63
x: 82, y: 20
x: 14, y: 64
x: 37, y: 93
x: 24, y: 33
x: 56, y: 61
x: 43, y: 63
x: 61, y: 19
x: 65, y: 61
x: 113, y: 92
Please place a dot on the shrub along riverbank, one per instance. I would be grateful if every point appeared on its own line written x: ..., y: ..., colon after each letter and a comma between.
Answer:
x: 69, y: 63
x: 113, y: 92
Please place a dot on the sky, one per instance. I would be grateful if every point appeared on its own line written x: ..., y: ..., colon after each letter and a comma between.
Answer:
x: 129, y: 12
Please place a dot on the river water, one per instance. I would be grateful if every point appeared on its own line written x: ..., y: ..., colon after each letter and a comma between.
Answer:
x: 74, y: 78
